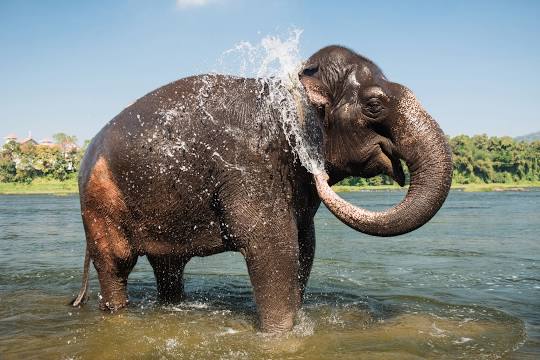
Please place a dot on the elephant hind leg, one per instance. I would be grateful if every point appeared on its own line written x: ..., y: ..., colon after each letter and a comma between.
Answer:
x: 113, y: 258
x: 104, y: 213
x: 169, y: 273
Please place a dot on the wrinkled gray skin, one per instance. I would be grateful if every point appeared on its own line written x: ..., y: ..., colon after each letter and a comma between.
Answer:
x: 203, y: 165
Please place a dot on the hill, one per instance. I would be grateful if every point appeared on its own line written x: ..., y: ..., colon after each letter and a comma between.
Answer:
x: 529, y: 137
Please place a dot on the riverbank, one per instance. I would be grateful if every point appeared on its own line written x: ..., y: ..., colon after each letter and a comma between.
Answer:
x: 69, y: 187
x: 41, y: 186
x: 522, y: 186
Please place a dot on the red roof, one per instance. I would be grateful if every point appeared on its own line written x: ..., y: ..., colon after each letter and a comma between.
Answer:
x: 47, y: 142
x: 11, y: 136
x: 28, y: 139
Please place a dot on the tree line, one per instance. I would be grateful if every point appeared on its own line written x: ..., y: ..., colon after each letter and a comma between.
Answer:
x: 23, y: 162
x: 482, y: 159
x: 476, y: 159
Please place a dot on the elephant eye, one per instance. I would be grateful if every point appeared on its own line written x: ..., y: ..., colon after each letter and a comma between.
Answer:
x: 310, y: 69
x: 374, y: 106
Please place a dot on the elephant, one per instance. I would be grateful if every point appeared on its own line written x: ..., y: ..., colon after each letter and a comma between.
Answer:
x: 213, y: 163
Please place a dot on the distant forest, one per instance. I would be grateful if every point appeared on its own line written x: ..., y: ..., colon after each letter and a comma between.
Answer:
x: 483, y: 159
x: 477, y: 159
x: 529, y: 137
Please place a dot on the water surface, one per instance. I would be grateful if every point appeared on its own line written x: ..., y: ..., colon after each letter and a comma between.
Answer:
x: 465, y: 286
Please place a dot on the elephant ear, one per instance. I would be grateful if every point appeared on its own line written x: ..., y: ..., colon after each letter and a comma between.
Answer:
x: 318, y: 94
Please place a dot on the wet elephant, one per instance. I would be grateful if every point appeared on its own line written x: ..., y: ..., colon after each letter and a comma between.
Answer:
x: 208, y: 164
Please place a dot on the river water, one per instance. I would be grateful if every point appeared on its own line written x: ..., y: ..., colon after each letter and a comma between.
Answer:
x: 465, y: 286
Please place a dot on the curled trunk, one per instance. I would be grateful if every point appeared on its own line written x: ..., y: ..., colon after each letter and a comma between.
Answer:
x: 423, y: 146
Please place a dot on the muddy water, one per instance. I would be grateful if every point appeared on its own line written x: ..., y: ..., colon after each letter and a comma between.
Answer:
x: 465, y: 286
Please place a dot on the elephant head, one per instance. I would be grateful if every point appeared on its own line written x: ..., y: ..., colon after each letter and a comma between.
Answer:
x: 370, y: 125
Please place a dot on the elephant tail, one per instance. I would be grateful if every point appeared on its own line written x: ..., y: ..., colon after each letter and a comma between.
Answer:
x: 83, y: 292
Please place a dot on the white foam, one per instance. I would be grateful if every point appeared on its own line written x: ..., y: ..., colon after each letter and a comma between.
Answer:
x: 462, y: 340
x: 275, y: 62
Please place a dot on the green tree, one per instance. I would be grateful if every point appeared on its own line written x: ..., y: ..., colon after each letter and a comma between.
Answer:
x: 8, y: 170
x: 65, y: 141
x: 476, y: 159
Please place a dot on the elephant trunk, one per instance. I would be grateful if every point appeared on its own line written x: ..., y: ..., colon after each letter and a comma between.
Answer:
x: 423, y: 146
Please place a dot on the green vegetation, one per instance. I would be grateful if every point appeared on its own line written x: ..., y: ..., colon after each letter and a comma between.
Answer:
x: 22, y: 163
x: 482, y: 159
x: 481, y: 163
x: 30, y: 168
x: 520, y: 186
x: 42, y: 186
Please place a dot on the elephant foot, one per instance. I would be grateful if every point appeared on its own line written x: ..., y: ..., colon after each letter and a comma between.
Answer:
x: 113, y: 296
x: 171, y: 297
x: 277, y: 326
x: 112, y: 306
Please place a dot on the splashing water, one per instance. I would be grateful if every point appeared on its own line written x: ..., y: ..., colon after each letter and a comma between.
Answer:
x: 275, y: 63
x: 271, y: 57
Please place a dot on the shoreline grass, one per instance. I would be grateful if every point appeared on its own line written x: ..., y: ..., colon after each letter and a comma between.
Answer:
x: 41, y: 186
x: 69, y: 187
x: 520, y: 186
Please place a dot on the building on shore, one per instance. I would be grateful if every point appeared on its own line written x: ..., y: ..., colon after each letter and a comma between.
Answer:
x: 29, y: 140
x: 10, y: 138
x: 47, y: 142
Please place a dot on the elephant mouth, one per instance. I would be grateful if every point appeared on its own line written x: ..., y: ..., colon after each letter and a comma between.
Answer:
x: 381, y: 157
x: 385, y: 160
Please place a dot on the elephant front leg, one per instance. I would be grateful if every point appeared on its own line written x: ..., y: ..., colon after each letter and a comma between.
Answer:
x: 274, y: 272
x: 306, y: 243
x: 263, y: 228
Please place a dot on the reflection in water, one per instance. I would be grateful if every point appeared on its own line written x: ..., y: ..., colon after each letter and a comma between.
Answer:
x: 463, y: 286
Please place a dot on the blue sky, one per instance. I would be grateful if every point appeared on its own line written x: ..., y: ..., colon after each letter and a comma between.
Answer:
x: 71, y: 66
